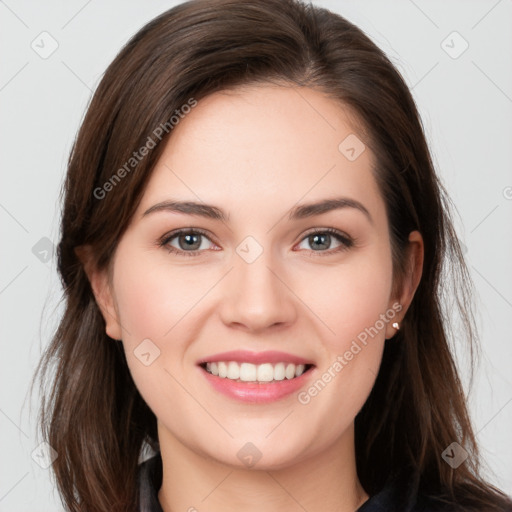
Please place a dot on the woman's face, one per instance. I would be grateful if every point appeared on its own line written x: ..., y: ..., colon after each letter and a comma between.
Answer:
x: 257, y: 282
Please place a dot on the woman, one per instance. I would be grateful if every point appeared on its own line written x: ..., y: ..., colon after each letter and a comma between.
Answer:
x: 299, y: 358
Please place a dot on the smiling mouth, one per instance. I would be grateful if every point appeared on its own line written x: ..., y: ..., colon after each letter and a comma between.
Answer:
x: 260, y: 373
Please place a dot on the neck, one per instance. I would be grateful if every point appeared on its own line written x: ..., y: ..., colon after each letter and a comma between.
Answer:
x: 325, y: 481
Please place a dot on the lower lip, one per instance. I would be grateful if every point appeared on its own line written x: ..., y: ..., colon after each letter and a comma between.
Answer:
x: 257, y: 392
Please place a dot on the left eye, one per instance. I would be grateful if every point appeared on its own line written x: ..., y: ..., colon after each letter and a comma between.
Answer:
x: 324, y: 238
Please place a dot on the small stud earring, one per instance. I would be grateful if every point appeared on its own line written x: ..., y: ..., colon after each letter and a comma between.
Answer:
x: 396, y: 326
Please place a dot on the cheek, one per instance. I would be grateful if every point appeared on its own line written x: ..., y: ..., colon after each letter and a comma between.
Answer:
x: 152, y: 304
x: 355, y: 307
x: 153, y: 299
x: 350, y: 298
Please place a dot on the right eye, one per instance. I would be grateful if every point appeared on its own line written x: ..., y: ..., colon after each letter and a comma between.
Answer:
x: 187, y: 239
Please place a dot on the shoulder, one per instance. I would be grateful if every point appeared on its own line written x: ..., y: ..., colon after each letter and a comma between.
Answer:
x: 426, y: 504
x: 389, y: 501
x: 403, y: 494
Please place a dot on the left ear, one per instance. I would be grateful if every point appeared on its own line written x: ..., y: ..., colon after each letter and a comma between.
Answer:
x: 411, y: 280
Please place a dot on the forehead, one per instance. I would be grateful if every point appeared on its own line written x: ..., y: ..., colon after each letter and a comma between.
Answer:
x: 265, y: 145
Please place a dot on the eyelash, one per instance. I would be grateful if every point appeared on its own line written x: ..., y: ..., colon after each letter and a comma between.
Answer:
x: 346, y: 241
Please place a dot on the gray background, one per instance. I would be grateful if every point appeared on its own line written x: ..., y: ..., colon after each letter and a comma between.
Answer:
x: 466, y: 104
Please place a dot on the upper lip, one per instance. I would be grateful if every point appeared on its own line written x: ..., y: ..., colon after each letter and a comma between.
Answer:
x: 245, y: 356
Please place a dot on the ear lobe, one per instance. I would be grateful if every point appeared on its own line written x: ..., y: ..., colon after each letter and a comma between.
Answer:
x: 102, y: 291
x: 410, y: 282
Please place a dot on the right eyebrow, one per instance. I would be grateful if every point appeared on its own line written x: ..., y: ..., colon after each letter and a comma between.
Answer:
x: 190, y: 208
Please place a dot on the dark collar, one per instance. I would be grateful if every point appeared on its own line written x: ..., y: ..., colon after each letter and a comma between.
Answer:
x: 149, y: 481
x: 396, y: 495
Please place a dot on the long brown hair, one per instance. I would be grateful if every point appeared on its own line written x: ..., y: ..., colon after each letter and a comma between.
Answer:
x: 93, y: 415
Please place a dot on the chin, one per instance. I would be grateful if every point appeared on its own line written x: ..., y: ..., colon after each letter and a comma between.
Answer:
x: 258, y: 453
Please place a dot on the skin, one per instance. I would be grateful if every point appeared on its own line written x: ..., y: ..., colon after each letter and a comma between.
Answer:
x: 257, y: 152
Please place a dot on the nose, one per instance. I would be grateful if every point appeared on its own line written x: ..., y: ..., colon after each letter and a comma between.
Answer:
x: 256, y: 296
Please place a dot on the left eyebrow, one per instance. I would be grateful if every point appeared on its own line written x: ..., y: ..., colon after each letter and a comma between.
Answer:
x: 309, y: 210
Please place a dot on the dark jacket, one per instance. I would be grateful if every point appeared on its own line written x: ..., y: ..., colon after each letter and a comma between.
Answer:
x: 394, y: 497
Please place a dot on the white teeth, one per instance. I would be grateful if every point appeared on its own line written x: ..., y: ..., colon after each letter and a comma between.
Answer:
x: 265, y: 373
x: 290, y: 371
x: 223, y: 370
x: 248, y: 372
x: 233, y: 371
x: 279, y: 371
